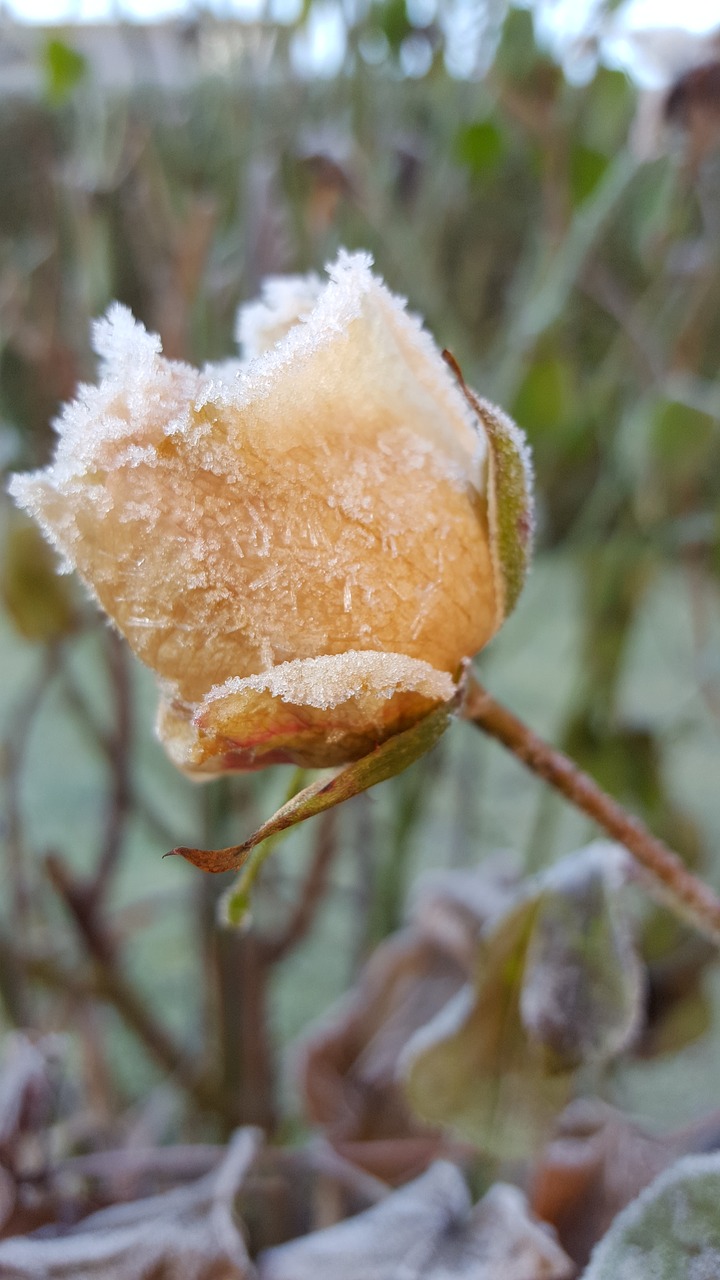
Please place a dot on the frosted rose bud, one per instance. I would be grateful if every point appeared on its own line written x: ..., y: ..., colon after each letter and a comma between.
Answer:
x: 299, y: 544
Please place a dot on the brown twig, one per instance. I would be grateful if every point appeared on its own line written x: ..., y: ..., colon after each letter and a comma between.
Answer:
x: 663, y: 870
x: 120, y: 799
x: 87, y: 721
x: 111, y: 984
x: 15, y: 749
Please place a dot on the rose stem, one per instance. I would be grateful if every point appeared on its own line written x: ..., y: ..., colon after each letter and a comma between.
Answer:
x: 666, y: 874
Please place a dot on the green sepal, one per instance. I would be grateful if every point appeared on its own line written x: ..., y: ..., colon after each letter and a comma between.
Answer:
x: 509, y: 495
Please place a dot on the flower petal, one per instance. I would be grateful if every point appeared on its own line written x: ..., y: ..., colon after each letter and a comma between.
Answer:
x: 315, y: 713
x: 332, y: 499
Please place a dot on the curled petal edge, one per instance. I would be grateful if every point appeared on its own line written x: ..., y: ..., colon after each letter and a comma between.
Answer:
x: 386, y: 761
x: 313, y: 712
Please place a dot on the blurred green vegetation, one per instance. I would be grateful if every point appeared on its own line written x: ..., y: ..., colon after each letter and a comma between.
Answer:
x: 576, y: 283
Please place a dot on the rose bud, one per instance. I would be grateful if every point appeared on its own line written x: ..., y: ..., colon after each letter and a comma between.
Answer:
x: 303, y: 545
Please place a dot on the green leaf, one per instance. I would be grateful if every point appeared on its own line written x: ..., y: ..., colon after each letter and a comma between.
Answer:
x: 545, y: 397
x: 682, y: 440
x: 671, y: 1231
x: 64, y: 69
x: 587, y: 169
x: 517, y: 53
x: 607, y: 111
x: 38, y: 601
x: 479, y: 146
x: 393, y: 20
x: 557, y: 985
x: 389, y: 759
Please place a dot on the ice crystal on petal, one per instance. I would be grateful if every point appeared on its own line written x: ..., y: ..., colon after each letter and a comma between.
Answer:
x: 284, y: 301
x: 326, y: 682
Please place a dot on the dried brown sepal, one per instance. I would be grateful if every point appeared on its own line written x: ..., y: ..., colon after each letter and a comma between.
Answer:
x: 391, y: 758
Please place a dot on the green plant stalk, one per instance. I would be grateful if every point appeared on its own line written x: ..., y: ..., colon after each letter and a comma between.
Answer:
x: 234, y: 906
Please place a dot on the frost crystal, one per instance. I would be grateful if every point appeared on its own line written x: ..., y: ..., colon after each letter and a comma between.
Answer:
x: 326, y: 682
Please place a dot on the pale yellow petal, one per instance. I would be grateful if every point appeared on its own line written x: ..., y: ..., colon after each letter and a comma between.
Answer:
x: 329, y: 503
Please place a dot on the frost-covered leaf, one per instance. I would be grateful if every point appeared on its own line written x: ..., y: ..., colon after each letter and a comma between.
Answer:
x: 428, y: 1231
x: 583, y: 983
x: 31, y: 1089
x: 671, y: 1232
x: 497, y: 1063
x: 597, y: 1161
x: 473, y: 1067
x: 28, y: 1087
x: 389, y: 759
x: 189, y: 1233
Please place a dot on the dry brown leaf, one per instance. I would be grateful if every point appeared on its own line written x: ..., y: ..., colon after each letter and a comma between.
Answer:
x: 27, y: 1087
x: 186, y: 1234
x: 348, y: 1065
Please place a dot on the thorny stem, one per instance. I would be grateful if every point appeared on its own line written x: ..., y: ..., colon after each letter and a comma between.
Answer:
x: 663, y: 870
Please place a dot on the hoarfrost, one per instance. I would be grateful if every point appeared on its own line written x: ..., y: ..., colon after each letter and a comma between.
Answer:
x: 329, y: 680
x: 670, y: 1230
x: 428, y: 1230
x: 284, y: 301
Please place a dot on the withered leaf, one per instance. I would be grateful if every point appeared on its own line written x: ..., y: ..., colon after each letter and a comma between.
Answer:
x: 597, y: 1162
x: 429, y: 1230
x: 556, y: 985
x: 348, y: 1063
x: 189, y: 1233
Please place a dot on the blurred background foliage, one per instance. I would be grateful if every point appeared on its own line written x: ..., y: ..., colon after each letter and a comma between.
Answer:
x: 564, y: 247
